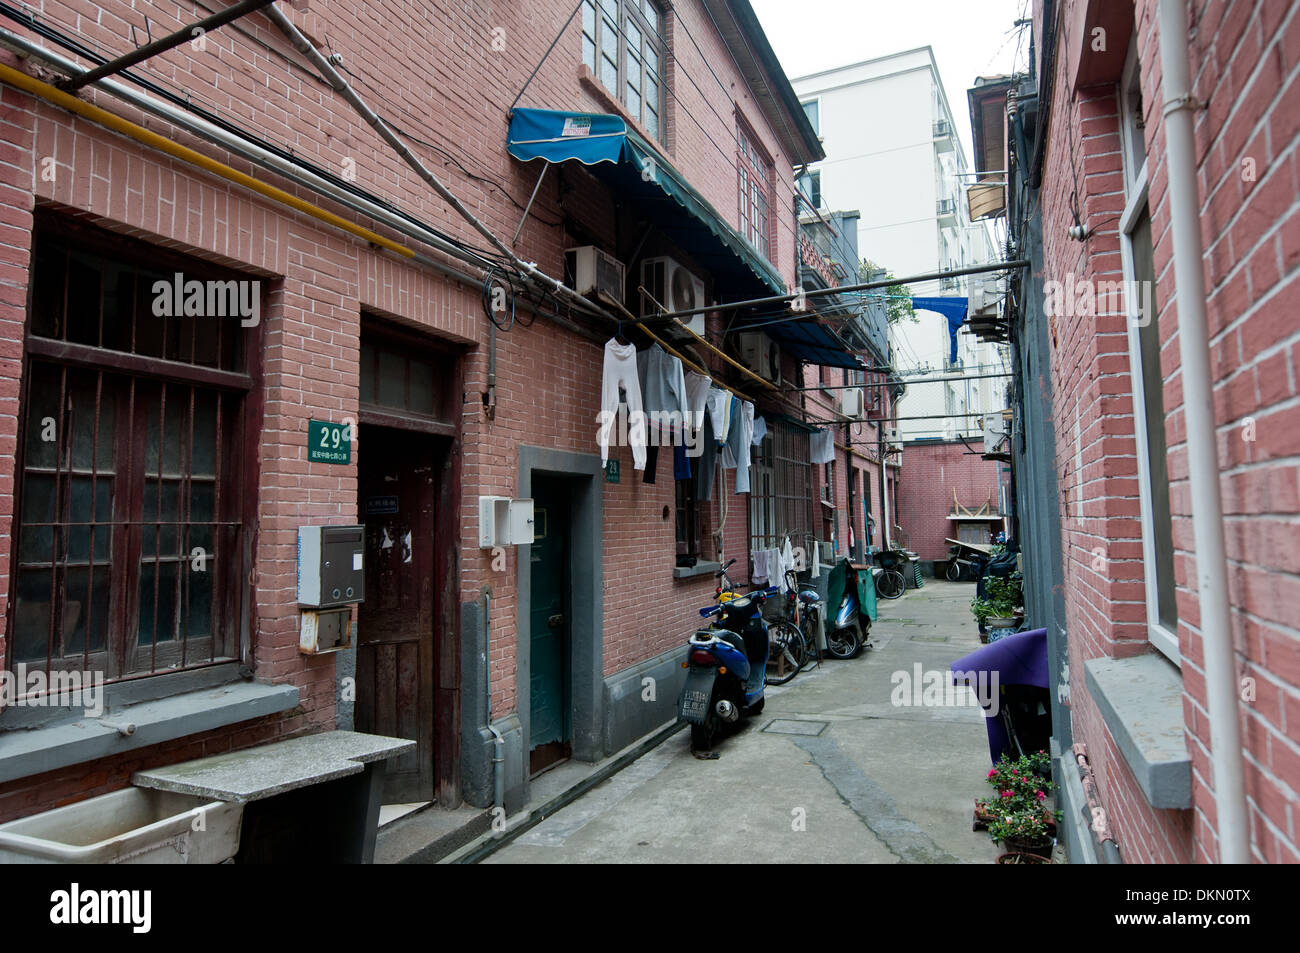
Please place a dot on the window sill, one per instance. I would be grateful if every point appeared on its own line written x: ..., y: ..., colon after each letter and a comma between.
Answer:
x: 1141, y: 701
x: 78, y: 739
x: 699, y: 569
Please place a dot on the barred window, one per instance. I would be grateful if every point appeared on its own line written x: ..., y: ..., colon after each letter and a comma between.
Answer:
x: 131, y: 502
x: 622, y: 44
x: 781, y: 496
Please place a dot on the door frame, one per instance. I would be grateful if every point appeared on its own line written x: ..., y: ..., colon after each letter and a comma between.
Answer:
x: 448, y: 458
x: 585, y: 475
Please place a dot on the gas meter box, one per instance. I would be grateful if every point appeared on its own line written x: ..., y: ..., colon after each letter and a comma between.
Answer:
x: 331, y: 565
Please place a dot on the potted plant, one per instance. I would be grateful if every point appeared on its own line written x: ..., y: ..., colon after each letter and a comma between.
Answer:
x: 1017, y: 857
x: 1022, y: 784
x: 1023, y: 831
x: 996, y: 609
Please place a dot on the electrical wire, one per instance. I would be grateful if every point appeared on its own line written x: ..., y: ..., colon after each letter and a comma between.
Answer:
x: 69, y: 38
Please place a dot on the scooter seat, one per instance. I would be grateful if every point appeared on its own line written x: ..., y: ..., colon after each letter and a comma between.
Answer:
x: 808, y: 596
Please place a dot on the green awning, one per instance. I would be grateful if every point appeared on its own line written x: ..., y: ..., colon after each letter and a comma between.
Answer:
x: 635, y: 169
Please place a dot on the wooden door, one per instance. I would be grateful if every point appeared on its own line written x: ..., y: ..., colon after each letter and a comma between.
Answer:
x: 395, y: 625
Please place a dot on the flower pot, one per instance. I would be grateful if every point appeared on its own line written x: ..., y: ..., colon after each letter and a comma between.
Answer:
x: 981, y: 818
x: 1016, y: 857
x: 1041, y: 847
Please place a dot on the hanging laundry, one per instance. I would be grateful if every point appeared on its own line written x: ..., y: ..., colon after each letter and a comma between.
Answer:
x: 663, y: 384
x: 697, y: 397
x: 787, y: 563
x: 719, y: 412
x: 619, y: 371
x: 760, y: 430
x: 761, y: 572
x: 681, y: 463
x: 663, y: 394
x: 735, y: 455
x: 817, y: 560
x: 821, y: 445
x: 704, y: 465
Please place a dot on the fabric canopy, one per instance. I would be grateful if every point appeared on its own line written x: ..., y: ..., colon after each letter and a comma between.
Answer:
x: 635, y: 169
x: 807, y: 340
x: 954, y: 309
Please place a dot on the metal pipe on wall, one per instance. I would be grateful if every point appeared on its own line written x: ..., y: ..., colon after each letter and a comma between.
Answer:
x: 1202, y: 445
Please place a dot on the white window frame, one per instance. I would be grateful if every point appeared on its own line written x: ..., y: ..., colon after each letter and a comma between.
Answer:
x: 1136, y: 187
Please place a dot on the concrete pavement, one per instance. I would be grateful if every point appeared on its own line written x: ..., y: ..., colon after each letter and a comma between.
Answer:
x: 831, y: 771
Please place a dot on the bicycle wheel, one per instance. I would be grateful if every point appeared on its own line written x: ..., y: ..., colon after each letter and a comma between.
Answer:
x: 954, y: 571
x: 786, y: 653
x: 890, y: 584
x: 808, y: 625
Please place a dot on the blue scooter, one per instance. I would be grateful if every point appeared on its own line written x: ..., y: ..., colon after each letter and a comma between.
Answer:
x: 727, y: 668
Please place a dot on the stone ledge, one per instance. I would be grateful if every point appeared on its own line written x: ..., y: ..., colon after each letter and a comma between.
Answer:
x: 1141, y: 701
x: 24, y: 753
x: 699, y: 569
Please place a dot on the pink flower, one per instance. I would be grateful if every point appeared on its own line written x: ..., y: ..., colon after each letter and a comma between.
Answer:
x: 1006, y: 794
x: 1041, y: 796
x: 992, y: 771
x: 1013, y: 771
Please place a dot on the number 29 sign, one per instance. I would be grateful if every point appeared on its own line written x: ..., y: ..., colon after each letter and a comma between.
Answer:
x: 329, y: 443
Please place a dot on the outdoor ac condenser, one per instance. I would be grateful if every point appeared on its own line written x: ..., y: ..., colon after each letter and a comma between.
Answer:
x: 671, y: 284
x: 591, y: 271
x: 761, y: 355
x: 853, y: 403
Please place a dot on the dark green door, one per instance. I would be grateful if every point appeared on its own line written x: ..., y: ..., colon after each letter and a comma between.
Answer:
x: 549, y: 625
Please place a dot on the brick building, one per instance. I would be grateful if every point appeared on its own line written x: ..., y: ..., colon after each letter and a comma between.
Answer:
x: 1154, y: 446
x: 157, y: 467
x: 950, y: 492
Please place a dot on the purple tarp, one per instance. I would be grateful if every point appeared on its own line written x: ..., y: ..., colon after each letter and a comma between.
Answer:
x: 1019, y: 659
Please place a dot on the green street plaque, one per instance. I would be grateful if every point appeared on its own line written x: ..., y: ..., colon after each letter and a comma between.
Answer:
x: 611, y: 471
x: 329, y: 443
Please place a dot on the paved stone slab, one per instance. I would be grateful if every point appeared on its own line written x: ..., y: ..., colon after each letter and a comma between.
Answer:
x: 787, y: 726
x: 267, y: 770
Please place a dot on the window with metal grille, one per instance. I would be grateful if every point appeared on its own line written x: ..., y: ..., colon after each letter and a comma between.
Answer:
x: 623, y: 45
x: 781, y: 493
x: 134, y: 461
x: 755, y: 175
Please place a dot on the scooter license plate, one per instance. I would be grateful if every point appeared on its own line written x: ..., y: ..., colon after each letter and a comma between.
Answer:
x: 695, y: 705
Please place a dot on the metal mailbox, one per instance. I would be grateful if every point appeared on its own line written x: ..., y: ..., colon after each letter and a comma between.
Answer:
x: 331, y: 565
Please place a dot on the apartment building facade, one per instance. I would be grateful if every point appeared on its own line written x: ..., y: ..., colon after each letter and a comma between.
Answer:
x: 1154, y: 463
x: 894, y: 153
x: 233, y: 308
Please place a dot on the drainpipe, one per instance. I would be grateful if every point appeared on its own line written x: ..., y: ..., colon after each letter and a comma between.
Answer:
x: 1202, y: 447
x: 498, y: 743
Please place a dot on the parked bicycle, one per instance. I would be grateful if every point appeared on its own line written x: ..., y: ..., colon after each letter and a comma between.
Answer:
x: 890, y: 582
x: 787, y: 649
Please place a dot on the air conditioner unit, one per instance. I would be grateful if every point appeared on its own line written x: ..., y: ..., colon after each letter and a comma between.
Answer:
x: 995, y: 431
x: 892, y: 439
x: 592, y: 272
x: 946, y: 207
x: 853, y: 403
x: 941, y: 128
x: 673, y: 286
x: 761, y: 355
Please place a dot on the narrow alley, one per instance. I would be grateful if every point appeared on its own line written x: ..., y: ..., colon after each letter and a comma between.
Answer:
x: 830, y: 771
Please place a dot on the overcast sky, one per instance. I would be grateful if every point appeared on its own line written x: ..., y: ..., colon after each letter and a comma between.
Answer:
x: 970, y: 38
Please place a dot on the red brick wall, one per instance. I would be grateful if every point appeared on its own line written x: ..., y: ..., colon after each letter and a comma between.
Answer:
x: 435, y: 75
x: 1245, y: 59
x: 931, y: 473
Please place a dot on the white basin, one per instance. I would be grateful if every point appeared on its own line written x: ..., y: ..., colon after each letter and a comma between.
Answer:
x: 131, y: 826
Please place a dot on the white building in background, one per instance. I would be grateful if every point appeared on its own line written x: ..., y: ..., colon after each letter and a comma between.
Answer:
x: 892, y: 151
